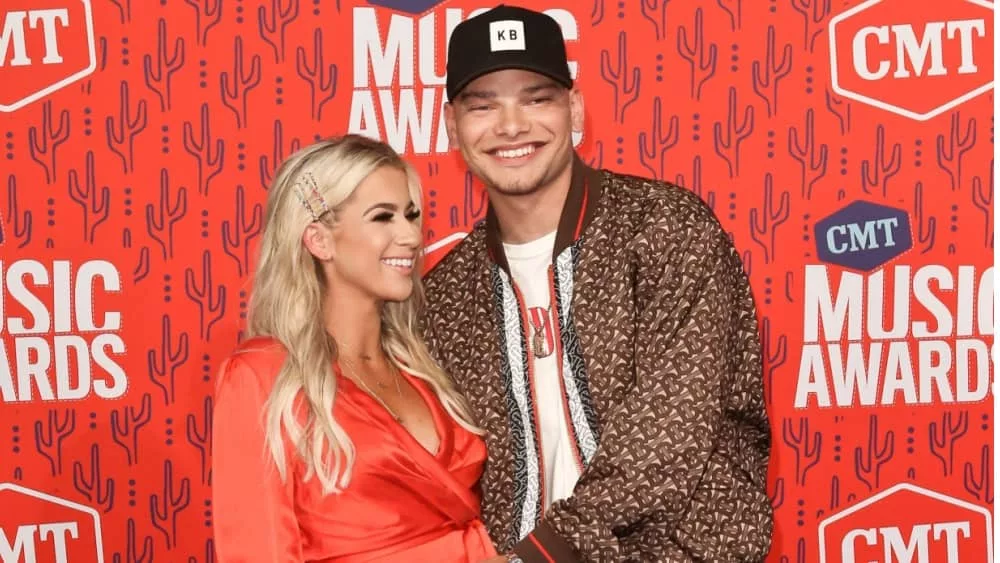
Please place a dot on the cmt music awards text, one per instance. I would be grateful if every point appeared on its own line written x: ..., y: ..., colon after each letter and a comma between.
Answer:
x: 55, y: 344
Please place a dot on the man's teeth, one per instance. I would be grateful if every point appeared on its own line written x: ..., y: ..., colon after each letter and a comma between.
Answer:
x: 402, y: 262
x: 516, y: 153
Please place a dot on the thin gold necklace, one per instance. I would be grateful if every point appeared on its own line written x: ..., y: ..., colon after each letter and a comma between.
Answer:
x: 350, y: 366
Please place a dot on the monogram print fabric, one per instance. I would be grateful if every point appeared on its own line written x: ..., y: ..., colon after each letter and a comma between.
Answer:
x: 669, y: 358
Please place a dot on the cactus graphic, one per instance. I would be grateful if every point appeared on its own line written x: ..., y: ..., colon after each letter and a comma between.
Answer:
x: 142, y: 268
x: 813, y: 165
x: 625, y: 91
x: 209, y: 161
x: 234, y: 96
x: 841, y: 109
x: 943, y: 436
x: 277, y: 156
x: 949, y: 157
x: 656, y: 12
x: 96, y: 489
x: 981, y: 487
x: 767, y: 75
x: 272, y: 25
x: 164, y: 508
x: 473, y: 205
x: 160, y: 221
x: 211, y: 299
x: 208, y: 13
x: 597, y: 13
x: 236, y: 235
x: 982, y: 198
x: 775, y: 354
x: 925, y: 236
x: 734, y: 8
x: 201, y: 439
x: 778, y: 496
x: 701, y: 60
x: 121, y: 139
x: 15, y: 222
x: 131, y: 556
x: 877, y: 171
x: 815, y: 13
x: 124, y: 10
x: 322, y: 79
x: 659, y: 141
x: 764, y: 222
x: 95, y: 203
x: 125, y: 425
x: 868, y: 462
x: 158, y: 78
x: 49, y: 437
x: 727, y: 143
x: 163, y: 362
x: 807, y: 447
x: 43, y: 141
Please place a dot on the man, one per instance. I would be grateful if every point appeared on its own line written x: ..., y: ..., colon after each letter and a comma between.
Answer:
x: 601, y: 326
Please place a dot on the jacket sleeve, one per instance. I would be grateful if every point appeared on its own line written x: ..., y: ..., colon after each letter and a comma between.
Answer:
x: 680, y: 473
x: 254, y: 517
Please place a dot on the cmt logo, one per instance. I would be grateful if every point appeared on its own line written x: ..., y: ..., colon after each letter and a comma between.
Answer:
x: 45, y: 45
x: 863, y: 236
x: 907, y: 524
x: 35, y: 526
x: 415, y: 7
x: 916, y: 59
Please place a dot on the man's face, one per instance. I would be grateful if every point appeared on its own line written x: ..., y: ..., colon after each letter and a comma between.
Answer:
x: 514, y: 129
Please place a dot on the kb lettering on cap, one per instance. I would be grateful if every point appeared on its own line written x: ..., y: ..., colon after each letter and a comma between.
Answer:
x: 507, y: 35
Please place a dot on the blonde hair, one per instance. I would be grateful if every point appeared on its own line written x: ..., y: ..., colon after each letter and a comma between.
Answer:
x: 286, y: 304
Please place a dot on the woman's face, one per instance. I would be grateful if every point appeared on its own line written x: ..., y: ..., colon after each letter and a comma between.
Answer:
x: 376, y: 239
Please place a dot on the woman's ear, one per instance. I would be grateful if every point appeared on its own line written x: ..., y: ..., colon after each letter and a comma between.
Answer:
x: 318, y: 240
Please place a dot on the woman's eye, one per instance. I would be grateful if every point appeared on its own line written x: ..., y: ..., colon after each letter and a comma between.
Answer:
x: 383, y: 217
x: 413, y: 215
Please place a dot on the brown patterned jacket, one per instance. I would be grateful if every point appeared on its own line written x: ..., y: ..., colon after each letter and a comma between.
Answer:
x: 661, y: 373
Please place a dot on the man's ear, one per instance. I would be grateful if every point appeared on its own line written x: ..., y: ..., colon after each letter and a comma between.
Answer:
x: 318, y: 240
x: 451, y: 126
x: 576, y: 109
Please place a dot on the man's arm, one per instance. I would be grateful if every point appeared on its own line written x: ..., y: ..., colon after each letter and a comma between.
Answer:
x: 680, y: 474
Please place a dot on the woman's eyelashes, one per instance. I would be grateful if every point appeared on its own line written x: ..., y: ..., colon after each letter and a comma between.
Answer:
x: 386, y: 216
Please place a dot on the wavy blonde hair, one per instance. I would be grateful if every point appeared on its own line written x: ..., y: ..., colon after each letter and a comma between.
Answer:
x: 286, y: 304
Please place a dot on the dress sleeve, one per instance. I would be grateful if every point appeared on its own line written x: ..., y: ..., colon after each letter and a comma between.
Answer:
x: 254, y: 516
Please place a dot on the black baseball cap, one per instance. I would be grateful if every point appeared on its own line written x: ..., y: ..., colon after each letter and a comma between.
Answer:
x: 502, y: 38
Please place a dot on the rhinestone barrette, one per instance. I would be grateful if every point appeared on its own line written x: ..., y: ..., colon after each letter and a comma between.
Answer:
x: 308, y: 193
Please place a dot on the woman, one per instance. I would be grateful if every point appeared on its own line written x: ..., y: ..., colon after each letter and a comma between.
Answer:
x: 336, y: 437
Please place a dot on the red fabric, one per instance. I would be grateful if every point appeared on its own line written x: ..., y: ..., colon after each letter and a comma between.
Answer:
x: 403, y: 503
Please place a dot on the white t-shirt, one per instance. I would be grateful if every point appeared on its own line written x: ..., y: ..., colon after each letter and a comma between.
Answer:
x: 529, y: 263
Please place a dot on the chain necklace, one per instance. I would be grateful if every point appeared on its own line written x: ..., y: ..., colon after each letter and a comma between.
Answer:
x: 399, y: 391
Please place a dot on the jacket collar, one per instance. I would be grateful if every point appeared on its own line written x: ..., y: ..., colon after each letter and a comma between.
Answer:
x: 577, y: 213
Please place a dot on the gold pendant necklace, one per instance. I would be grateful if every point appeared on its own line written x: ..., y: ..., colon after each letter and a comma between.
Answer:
x: 374, y: 395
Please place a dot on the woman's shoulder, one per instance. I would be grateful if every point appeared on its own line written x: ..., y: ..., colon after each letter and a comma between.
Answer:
x: 256, y: 360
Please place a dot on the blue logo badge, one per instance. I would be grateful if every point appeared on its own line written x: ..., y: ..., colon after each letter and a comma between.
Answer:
x: 863, y: 236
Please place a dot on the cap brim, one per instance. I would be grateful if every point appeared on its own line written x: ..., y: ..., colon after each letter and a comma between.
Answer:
x: 507, y: 66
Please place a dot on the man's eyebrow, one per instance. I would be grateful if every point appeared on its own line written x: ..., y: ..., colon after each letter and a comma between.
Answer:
x: 484, y: 94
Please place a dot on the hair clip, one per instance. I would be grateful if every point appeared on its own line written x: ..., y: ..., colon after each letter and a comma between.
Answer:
x: 308, y: 193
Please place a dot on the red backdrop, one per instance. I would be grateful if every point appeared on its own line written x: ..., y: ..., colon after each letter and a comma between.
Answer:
x: 847, y: 146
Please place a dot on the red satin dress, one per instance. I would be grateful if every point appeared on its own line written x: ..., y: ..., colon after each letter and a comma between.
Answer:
x: 403, y: 504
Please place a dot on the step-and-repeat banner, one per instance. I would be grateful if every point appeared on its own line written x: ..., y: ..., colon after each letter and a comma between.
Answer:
x: 846, y: 145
